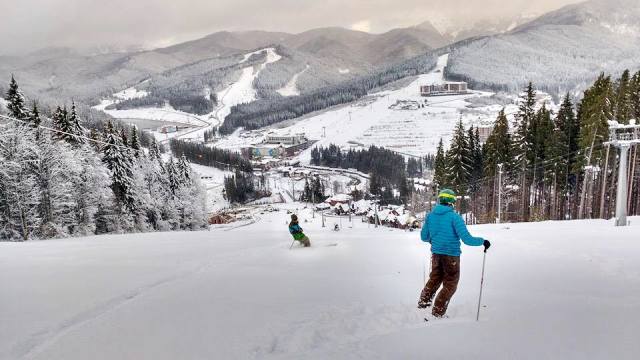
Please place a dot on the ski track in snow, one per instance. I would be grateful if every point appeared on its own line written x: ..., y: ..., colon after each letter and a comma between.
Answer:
x: 291, y: 89
x: 38, y: 342
x: 239, y: 92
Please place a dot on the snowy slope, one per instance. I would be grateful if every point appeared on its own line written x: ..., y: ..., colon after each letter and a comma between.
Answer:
x: 554, y: 290
x: 291, y: 88
x: 242, y: 91
x: 371, y: 121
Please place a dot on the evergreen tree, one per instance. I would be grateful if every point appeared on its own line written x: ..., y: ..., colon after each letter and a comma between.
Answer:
x: 476, y: 159
x: 94, y: 135
x: 543, y: 140
x: 498, y: 148
x: 524, y: 141
x: 565, y: 141
x: 34, y: 117
x: 16, y: 101
x: 635, y: 96
x: 440, y: 167
x: 154, y: 150
x: 119, y: 161
x: 318, y: 190
x: 135, y: 142
x: 459, y: 161
x: 595, y: 109
x: 173, y: 176
x: 74, y: 125
x: 67, y: 126
x: 623, y: 98
x: 184, y: 170
x: 124, y: 138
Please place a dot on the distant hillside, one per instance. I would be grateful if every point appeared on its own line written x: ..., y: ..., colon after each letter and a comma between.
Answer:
x: 561, y: 51
x: 334, y: 54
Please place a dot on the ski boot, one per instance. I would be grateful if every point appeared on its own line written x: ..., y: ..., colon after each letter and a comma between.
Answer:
x: 423, y: 304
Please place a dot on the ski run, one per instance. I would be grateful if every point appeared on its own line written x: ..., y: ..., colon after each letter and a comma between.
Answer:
x: 561, y: 290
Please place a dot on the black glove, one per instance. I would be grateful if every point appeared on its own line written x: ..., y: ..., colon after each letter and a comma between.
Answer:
x: 486, y: 245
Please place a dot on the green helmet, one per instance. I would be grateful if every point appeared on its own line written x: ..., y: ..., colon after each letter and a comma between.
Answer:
x: 447, y: 196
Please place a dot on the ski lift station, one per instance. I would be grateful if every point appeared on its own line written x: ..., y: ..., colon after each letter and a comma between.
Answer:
x: 447, y: 88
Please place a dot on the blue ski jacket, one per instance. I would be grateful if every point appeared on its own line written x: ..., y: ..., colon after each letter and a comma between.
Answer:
x: 444, y: 229
x: 294, y: 229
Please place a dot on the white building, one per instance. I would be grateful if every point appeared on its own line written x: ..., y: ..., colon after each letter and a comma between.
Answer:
x: 448, y: 88
x: 287, y: 140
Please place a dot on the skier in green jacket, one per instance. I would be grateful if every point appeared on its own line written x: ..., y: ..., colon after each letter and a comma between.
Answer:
x: 296, y: 231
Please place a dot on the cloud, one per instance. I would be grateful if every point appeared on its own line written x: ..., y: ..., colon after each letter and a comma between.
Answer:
x: 27, y: 25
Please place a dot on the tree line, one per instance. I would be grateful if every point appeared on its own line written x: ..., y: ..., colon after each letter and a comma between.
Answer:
x: 387, y: 169
x: 202, y: 154
x: 73, y: 181
x: 553, y: 165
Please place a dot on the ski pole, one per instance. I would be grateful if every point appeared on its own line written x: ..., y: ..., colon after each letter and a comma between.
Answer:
x: 484, y: 258
x: 292, y: 244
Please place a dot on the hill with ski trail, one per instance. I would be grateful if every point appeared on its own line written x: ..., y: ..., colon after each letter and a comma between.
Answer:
x: 553, y: 290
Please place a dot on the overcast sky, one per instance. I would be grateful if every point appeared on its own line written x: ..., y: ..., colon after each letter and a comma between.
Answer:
x: 31, y: 24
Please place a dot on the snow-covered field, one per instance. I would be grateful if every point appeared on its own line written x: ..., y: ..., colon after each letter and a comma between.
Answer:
x: 553, y: 290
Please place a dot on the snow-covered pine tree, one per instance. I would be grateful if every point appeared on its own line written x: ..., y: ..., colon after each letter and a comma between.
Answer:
x: 93, y: 197
x: 135, y: 142
x: 118, y: 160
x: 184, y: 170
x: 34, y: 116
x: 19, y: 197
x: 96, y: 139
x: 62, y: 124
x: 124, y: 138
x: 16, y: 101
x: 74, y: 126
x: 54, y: 168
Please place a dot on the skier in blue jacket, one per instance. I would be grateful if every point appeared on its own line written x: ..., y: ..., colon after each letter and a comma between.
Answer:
x: 444, y: 229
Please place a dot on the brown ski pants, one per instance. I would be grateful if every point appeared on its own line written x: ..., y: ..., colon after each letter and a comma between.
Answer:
x: 445, y: 271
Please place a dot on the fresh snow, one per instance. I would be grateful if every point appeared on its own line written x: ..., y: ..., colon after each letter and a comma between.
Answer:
x: 291, y: 88
x: 553, y: 290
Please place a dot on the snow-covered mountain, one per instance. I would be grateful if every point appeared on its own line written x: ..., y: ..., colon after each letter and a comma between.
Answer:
x: 333, y: 54
x: 455, y: 30
x: 560, y: 51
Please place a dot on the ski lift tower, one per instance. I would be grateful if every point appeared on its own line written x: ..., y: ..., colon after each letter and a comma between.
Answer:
x: 623, y: 136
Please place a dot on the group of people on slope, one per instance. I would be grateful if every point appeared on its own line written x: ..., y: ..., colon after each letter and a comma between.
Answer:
x: 443, y: 228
